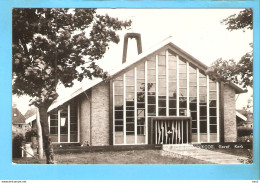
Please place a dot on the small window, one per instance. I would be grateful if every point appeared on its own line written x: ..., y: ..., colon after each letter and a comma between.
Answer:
x: 172, y: 103
x: 172, y: 112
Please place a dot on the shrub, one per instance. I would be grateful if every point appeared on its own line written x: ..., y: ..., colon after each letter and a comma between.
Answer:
x: 17, y: 144
x: 30, y: 134
x: 244, y: 131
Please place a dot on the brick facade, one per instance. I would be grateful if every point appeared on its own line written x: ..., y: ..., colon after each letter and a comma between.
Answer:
x: 100, y: 114
x: 230, y: 126
x: 85, y: 100
x: 94, y: 116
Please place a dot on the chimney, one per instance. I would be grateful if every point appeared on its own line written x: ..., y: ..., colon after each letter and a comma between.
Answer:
x: 14, y: 105
x: 137, y: 37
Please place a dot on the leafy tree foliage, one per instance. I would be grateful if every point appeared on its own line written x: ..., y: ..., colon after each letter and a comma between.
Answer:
x: 240, y: 72
x: 229, y: 71
x: 58, y: 45
x: 243, y: 20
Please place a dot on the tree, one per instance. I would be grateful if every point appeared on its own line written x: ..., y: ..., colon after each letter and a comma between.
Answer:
x: 240, y: 72
x: 242, y: 20
x: 58, y: 45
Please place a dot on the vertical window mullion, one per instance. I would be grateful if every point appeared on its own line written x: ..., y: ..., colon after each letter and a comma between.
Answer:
x: 78, y: 120
x: 217, y: 98
x: 146, y: 103
x: 69, y: 123
x: 124, y: 114
x: 188, y: 90
x: 156, y: 93
x: 58, y: 126
x: 208, y: 132
x: 167, y: 85
x: 198, y: 106
x: 177, y: 84
x: 135, y: 104
x: 114, y: 113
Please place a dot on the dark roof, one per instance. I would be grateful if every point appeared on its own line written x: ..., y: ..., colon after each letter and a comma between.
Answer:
x: 17, y: 116
x: 242, y: 111
x: 30, y: 112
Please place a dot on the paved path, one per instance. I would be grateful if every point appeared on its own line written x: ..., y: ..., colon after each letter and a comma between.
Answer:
x: 202, y: 154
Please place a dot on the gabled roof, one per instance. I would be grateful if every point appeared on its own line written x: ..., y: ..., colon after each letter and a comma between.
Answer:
x: 30, y: 112
x: 30, y: 115
x: 144, y: 55
x: 85, y: 86
x: 17, y: 117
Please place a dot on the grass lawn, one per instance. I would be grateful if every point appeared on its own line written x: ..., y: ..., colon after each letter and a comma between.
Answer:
x: 119, y: 157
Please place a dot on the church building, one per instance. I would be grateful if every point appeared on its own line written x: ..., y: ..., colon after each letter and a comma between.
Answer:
x: 162, y: 97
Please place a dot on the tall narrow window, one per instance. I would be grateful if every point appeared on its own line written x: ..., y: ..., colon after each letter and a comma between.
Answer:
x: 64, y: 124
x: 73, y: 122
x: 119, y: 110
x: 54, y: 125
x: 193, y: 100
x: 162, y: 84
x: 203, y: 106
x: 151, y: 86
x: 213, y: 110
x: 140, y: 103
x: 182, y: 87
x: 129, y: 102
x: 172, y: 87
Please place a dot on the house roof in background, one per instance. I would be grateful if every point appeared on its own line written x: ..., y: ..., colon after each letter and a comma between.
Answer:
x: 241, y: 116
x: 166, y: 42
x: 30, y: 115
x: 17, y: 117
x: 30, y: 112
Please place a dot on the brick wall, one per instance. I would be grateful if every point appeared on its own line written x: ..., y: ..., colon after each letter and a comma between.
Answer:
x: 84, y: 109
x: 230, y: 127
x: 100, y: 114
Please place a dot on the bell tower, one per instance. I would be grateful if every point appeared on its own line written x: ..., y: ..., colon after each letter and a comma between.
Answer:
x: 137, y: 37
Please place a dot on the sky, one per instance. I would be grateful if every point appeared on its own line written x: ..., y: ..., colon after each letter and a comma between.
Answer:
x: 196, y: 31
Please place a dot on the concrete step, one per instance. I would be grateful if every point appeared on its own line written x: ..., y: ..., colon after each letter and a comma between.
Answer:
x: 202, y: 154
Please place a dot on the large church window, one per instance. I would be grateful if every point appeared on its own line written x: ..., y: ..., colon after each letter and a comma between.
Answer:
x: 172, y: 85
x: 151, y: 86
x: 119, y: 110
x: 193, y: 97
x: 165, y: 84
x: 129, y: 102
x: 162, y: 84
x: 182, y: 87
x: 213, y: 110
x: 140, y: 69
x: 203, y: 102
